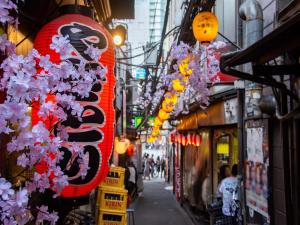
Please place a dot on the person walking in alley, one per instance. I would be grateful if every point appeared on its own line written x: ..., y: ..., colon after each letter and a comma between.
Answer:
x: 163, y: 167
x: 158, y: 165
x: 224, y: 173
x: 147, y: 167
x: 152, y: 164
x: 228, y: 189
x: 132, y: 187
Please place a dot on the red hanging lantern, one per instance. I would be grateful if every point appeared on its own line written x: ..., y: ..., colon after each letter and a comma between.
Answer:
x: 94, y: 132
x: 179, y: 138
x: 172, y: 138
x: 193, y: 139
x: 130, y: 150
x: 184, y: 140
x: 189, y: 139
x: 198, y: 140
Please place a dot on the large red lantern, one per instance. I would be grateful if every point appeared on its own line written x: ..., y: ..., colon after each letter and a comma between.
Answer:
x: 95, y: 131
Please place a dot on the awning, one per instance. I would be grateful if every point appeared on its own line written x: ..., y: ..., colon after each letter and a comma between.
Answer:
x: 284, y: 39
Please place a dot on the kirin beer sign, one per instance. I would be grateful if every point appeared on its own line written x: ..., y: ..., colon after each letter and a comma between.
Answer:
x: 95, y: 131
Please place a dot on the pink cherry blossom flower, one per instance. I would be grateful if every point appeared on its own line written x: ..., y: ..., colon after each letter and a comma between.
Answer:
x: 5, y: 189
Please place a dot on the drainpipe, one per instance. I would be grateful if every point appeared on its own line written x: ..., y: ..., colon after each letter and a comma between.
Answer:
x: 251, y: 12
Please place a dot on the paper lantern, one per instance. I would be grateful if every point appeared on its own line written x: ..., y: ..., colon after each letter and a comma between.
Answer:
x: 151, y: 139
x: 179, y: 138
x: 189, y: 139
x: 155, y: 132
x: 122, y: 145
x: 184, y: 67
x: 171, y: 98
x: 198, y: 140
x: 130, y: 150
x: 157, y: 122
x: 95, y: 131
x: 172, y: 138
x: 179, y: 84
x: 184, y: 140
x: 205, y: 27
x: 162, y: 115
x: 167, y: 106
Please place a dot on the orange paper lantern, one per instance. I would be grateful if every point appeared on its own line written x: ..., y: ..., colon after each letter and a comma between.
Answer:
x: 205, y: 27
x: 179, y: 84
x: 163, y: 115
x: 167, y: 106
x: 157, y: 122
x: 184, y: 67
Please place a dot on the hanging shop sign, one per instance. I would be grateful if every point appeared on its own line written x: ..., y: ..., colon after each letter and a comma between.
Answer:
x: 137, y: 121
x: 94, y: 132
x: 140, y: 74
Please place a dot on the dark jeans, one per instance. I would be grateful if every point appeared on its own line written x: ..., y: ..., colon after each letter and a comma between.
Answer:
x: 131, y: 188
x: 230, y: 220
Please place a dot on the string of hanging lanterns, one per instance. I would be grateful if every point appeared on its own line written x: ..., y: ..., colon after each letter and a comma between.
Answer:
x: 189, y: 139
x: 205, y: 30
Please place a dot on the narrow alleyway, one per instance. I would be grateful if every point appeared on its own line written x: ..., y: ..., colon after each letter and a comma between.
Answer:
x: 157, y: 206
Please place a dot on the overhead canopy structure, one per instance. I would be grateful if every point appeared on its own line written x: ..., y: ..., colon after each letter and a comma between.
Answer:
x: 284, y: 39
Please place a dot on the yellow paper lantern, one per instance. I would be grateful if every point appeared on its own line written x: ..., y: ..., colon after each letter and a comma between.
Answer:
x: 184, y: 67
x: 167, y: 106
x: 155, y: 133
x: 171, y: 98
x: 122, y: 145
x: 162, y: 115
x: 178, y: 84
x: 158, y: 122
x: 151, y: 139
x: 205, y: 27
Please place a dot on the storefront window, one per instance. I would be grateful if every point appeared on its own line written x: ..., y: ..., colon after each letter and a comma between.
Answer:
x: 223, y: 149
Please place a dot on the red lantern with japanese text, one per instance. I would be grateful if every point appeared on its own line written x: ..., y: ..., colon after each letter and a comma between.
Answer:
x: 95, y: 131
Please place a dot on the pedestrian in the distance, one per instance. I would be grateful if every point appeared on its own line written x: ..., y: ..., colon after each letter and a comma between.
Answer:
x: 228, y: 190
x: 163, y: 167
x: 158, y: 165
x: 147, y: 167
x: 152, y: 164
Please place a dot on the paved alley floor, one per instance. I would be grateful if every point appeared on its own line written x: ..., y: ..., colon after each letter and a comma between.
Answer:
x: 157, y: 206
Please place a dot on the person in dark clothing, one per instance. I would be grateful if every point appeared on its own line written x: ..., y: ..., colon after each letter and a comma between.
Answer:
x: 163, y: 168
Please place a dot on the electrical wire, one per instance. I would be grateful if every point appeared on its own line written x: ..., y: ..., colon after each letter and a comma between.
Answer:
x: 227, y: 39
x: 157, y: 60
x: 150, y: 49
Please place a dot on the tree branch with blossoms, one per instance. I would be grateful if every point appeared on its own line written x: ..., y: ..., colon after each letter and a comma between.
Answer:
x: 33, y: 81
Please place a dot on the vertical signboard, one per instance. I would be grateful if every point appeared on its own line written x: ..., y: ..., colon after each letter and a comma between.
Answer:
x: 256, y: 172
